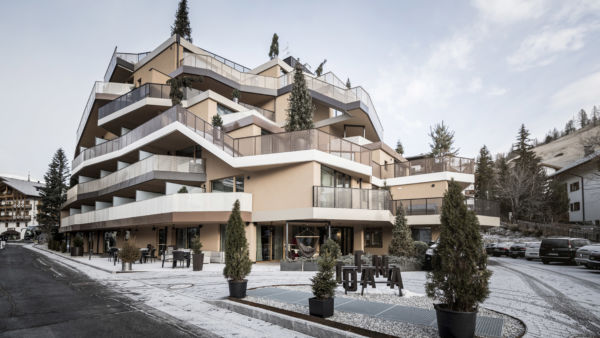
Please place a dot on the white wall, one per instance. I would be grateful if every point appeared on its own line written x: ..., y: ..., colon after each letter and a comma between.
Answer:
x: 121, y: 165
x: 144, y: 195
x: 122, y: 200
x: 102, y: 205
x: 86, y: 208
x: 144, y: 154
x: 104, y: 173
x: 173, y: 188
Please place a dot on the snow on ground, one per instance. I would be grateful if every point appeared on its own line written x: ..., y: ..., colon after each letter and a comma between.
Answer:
x: 552, y: 300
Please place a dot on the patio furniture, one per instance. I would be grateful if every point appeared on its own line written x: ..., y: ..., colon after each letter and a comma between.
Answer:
x: 167, y: 256
x: 395, y: 279
x: 152, y: 255
x: 181, y: 256
x: 143, y: 255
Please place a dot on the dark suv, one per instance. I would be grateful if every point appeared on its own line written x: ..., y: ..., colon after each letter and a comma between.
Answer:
x: 560, y: 249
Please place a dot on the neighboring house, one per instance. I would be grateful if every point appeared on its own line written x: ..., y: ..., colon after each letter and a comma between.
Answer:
x: 582, y: 178
x: 19, y: 204
x: 135, y: 151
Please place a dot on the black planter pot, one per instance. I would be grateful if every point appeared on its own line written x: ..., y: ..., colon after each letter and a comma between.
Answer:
x: 320, y: 307
x: 76, y: 251
x: 455, y: 324
x: 198, y: 261
x: 237, y: 289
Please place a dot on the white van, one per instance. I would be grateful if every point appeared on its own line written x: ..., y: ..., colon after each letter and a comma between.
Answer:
x: 532, y: 250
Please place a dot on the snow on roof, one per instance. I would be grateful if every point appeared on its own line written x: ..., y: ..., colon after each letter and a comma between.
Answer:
x: 578, y: 162
x: 565, y: 150
x: 26, y: 187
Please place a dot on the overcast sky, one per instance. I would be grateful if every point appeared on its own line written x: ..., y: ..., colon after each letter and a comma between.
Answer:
x: 484, y: 67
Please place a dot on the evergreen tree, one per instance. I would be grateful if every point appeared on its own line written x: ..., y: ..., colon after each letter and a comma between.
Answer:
x: 402, y: 243
x: 459, y: 278
x: 557, y: 201
x: 217, y: 121
x: 484, y: 175
x: 399, y: 148
x: 181, y: 26
x: 555, y: 134
x: 319, y: 70
x: 501, y: 177
x: 583, y: 118
x: 523, y: 148
x: 348, y: 84
x: 570, y: 127
x: 595, y: 116
x: 274, y: 49
x: 237, y: 260
x: 323, y: 283
x: 442, y: 141
x: 300, y: 113
x: 54, y: 193
x: 177, y: 84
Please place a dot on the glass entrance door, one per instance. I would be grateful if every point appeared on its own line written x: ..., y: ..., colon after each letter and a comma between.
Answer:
x: 270, y: 243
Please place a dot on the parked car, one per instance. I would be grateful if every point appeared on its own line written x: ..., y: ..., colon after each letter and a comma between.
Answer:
x: 502, y: 249
x: 532, y: 250
x: 517, y: 250
x: 584, y: 256
x: 489, y: 248
x: 560, y: 249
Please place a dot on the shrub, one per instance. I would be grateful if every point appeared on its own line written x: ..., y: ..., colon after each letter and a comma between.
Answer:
x: 217, y: 121
x: 235, y: 94
x: 420, y: 249
x: 459, y: 278
x: 196, y: 245
x: 402, y: 243
x: 323, y: 283
x: 62, y: 246
x: 237, y: 260
x: 183, y: 190
x: 78, y: 242
x: 129, y: 253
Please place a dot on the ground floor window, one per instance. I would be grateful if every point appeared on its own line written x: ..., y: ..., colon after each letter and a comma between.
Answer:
x: 269, y: 243
x: 423, y: 235
x: 184, y: 236
x: 575, y: 206
x: 110, y: 240
x: 373, y: 238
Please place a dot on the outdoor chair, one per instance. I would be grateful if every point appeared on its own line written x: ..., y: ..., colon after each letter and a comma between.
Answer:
x: 179, y: 256
x: 167, y: 256
x: 152, y: 255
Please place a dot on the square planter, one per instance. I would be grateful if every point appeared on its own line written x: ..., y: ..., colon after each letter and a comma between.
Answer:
x: 310, y: 266
x: 290, y: 266
x: 321, y: 307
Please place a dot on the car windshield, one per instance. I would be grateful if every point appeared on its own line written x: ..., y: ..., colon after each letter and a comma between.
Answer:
x: 533, y: 245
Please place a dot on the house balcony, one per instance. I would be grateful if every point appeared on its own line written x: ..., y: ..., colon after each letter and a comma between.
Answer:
x: 121, y: 65
x: 427, y: 211
x: 424, y: 166
x: 312, y: 139
x: 352, y: 204
x: 15, y: 218
x: 155, y: 167
x: 190, y: 208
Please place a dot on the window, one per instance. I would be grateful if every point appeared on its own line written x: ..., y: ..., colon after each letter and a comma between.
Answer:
x: 332, y: 178
x: 575, y: 206
x: 373, y: 238
x: 222, y: 110
x: 228, y: 184
x: 574, y: 186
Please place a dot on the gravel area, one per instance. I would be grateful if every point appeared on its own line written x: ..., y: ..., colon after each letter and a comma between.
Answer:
x: 512, y: 327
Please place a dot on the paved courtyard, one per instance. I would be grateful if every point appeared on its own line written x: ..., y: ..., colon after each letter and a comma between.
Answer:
x: 552, y: 300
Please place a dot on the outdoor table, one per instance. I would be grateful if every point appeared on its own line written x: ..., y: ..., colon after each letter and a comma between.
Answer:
x: 180, y: 255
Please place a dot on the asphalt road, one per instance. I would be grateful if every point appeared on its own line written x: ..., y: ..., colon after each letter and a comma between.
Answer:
x: 42, y: 298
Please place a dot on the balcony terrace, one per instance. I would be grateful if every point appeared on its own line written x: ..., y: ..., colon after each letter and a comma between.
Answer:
x: 424, y: 166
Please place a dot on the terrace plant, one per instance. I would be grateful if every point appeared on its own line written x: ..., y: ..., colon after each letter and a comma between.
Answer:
x: 323, y: 283
x: 198, y: 256
x: 459, y: 277
x: 300, y: 113
x: 129, y: 253
x: 235, y: 95
x: 237, y: 259
x: 402, y: 243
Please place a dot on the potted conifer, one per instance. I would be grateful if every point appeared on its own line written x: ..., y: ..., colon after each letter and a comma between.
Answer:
x: 198, y: 256
x: 236, y: 95
x: 323, y: 283
x: 237, y: 260
x: 459, y: 277
x: 128, y: 254
x: 77, y: 248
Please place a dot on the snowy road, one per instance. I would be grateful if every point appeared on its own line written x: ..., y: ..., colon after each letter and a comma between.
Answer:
x: 553, y: 300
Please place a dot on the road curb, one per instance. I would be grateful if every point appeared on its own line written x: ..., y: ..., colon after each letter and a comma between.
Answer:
x: 37, y: 246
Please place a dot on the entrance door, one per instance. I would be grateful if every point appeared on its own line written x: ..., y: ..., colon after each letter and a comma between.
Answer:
x: 271, y: 243
x: 344, y: 237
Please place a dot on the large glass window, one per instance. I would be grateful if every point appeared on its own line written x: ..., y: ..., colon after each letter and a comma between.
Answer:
x: 191, y: 233
x: 373, y: 238
x: 239, y: 184
x: 332, y: 178
x: 222, y: 110
x: 228, y: 184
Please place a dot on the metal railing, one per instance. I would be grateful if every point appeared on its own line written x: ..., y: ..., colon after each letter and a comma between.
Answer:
x: 165, y: 163
x: 266, y: 113
x: 351, y: 198
x: 433, y: 206
x: 101, y: 88
x: 424, y: 166
x: 155, y: 90
x: 341, y: 94
x: 237, y: 147
x: 132, y: 58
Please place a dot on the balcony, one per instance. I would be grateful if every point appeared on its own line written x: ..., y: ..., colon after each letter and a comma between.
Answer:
x: 153, y: 90
x: 168, y: 209
x: 312, y: 139
x: 123, y: 60
x: 433, y: 206
x: 319, y: 85
x: 424, y: 166
x: 132, y: 174
x: 351, y: 198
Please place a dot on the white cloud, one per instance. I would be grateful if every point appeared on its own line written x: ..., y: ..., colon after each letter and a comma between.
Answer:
x: 542, y: 49
x: 509, y: 11
x: 475, y: 85
x: 496, y: 91
x: 581, y: 93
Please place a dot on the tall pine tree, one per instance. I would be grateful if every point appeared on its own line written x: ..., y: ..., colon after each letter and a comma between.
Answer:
x: 300, y: 113
x: 181, y: 26
x: 319, y: 70
x: 54, y: 193
x: 402, y: 243
x: 399, y: 148
x: 274, y: 49
x: 583, y: 118
x: 484, y: 175
x: 348, y: 84
x: 237, y: 259
x: 442, y: 141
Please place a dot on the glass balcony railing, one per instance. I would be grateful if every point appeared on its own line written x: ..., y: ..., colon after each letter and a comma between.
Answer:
x: 350, y: 198
x: 155, y: 90
x: 100, y: 88
x: 266, y: 113
x: 237, y: 147
x: 319, y: 85
x: 132, y: 58
x: 424, y: 166
x: 163, y: 163
x: 433, y: 206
